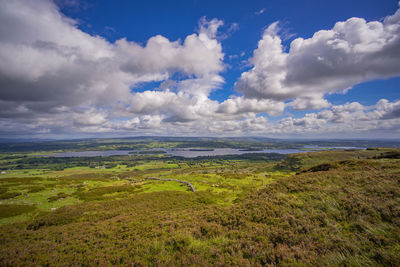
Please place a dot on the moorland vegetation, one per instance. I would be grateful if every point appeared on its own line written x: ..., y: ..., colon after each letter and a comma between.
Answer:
x: 326, y: 208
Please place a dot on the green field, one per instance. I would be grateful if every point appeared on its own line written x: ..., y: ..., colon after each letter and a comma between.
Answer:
x: 47, y: 189
x: 336, y: 208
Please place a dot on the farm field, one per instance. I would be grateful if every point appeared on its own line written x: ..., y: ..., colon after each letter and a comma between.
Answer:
x: 318, y: 208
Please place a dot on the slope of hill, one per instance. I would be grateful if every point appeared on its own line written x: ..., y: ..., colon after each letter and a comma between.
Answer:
x: 345, y: 215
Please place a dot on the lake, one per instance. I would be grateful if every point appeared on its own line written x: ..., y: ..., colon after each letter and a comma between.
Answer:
x: 192, y: 153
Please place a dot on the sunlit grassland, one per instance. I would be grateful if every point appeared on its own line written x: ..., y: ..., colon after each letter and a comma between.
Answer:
x: 340, y: 212
x: 326, y: 208
x: 315, y: 158
x: 49, y: 189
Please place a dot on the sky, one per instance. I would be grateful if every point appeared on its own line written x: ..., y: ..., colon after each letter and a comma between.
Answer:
x: 272, y: 68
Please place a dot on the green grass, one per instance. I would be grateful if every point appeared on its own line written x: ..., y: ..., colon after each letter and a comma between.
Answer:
x: 107, y: 193
x: 157, y: 186
x: 9, y: 195
x: 50, y: 190
x: 343, y: 216
x: 310, y: 159
x: 9, y: 210
x: 340, y: 209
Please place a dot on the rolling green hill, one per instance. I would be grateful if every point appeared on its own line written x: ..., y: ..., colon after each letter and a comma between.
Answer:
x: 340, y: 209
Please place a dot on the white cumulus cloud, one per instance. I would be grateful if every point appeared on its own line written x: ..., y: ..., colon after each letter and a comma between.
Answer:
x: 57, y: 80
x: 352, y: 52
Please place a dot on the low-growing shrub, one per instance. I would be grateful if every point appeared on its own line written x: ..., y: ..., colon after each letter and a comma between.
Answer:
x: 61, y: 216
x: 10, y: 210
x: 341, y: 212
x: 319, y: 168
x: 35, y: 189
x: 9, y: 195
x: 100, y: 192
x: 389, y: 155
x: 60, y: 195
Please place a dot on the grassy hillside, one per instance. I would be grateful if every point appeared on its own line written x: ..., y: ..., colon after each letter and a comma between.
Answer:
x: 344, y: 214
x: 307, y: 160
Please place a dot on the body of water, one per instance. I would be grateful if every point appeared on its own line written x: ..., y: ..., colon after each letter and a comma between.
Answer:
x: 188, y: 153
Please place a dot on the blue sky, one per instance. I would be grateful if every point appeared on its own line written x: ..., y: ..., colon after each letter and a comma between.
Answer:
x: 274, y: 68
